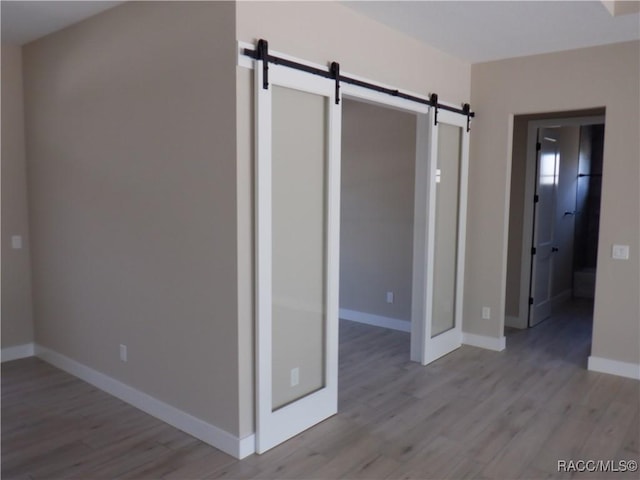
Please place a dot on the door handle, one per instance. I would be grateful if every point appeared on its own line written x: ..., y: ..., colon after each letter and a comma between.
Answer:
x: 554, y: 249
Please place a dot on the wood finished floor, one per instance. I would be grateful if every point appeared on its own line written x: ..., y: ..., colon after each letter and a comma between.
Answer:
x: 472, y: 414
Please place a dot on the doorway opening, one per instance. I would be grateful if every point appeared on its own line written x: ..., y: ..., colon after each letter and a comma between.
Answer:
x: 376, y: 215
x: 378, y: 158
x: 554, y: 218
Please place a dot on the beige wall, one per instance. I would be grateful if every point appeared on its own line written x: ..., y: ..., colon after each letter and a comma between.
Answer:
x: 17, y: 315
x: 593, y: 77
x: 321, y: 32
x: 376, y: 209
x: 131, y: 154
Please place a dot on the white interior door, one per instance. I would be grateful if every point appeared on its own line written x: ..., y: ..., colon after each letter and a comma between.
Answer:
x: 547, y: 169
x: 446, y: 194
x: 297, y: 247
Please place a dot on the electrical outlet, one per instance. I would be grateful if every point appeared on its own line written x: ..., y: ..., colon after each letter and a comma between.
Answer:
x: 123, y: 353
x: 389, y: 297
x: 486, y: 313
x: 620, y: 252
x: 295, y: 376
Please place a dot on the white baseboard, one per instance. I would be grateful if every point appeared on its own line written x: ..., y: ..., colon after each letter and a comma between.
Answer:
x: 16, y: 352
x: 246, y: 446
x: 614, y: 367
x: 483, y: 341
x: 208, y: 433
x: 376, y: 320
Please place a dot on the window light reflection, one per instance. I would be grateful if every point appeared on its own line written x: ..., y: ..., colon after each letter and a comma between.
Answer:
x: 549, y: 169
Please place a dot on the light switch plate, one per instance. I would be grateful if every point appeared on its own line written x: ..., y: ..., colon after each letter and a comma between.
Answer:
x: 16, y: 242
x: 295, y: 376
x: 620, y: 252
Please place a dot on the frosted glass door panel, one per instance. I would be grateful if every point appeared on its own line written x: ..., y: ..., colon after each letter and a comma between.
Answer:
x: 446, y: 228
x: 299, y: 234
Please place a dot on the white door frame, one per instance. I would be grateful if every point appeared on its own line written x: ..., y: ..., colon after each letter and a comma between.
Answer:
x: 521, y: 321
x: 276, y: 426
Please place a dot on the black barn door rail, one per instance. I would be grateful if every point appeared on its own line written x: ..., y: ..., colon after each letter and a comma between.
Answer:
x: 333, y: 72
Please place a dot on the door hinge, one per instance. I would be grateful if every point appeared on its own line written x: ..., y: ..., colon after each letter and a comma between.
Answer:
x: 533, y: 250
x: 538, y: 146
x: 536, y: 198
x: 530, y: 300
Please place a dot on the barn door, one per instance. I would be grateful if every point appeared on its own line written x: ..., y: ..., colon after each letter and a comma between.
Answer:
x: 297, y: 246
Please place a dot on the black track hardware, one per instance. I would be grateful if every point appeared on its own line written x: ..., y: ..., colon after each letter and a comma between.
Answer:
x: 466, y: 110
x: 433, y: 100
x: 333, y: 72
x: 263, y: 55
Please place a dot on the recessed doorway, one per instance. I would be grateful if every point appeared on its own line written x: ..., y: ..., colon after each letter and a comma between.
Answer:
x: 554, y: 219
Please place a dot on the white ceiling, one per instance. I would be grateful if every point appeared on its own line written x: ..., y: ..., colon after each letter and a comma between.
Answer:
x: 479, y: 31
x: 25, y: 21
x: 475, y: 31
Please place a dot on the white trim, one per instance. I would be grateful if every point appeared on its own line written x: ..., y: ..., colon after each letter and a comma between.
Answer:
x: 375, y: 320
x: 246, y: 446
x: 16, y: 352
x: 262, y: 218
x: 484, y: 341
x: 614, y: 367
x: 184, y: 421
x: 419, y: 267
x: 243, y: 60
x: 428, y: 351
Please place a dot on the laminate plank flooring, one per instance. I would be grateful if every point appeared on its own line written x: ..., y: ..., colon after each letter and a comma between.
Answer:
x: 472, y: 414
